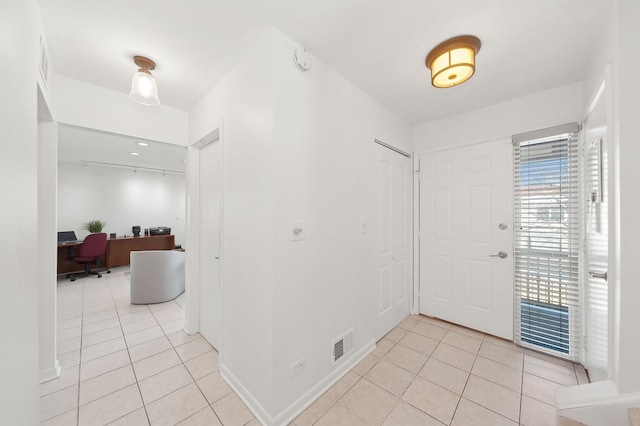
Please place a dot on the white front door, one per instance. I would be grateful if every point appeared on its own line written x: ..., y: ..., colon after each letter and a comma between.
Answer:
x: 596, y: 255
x: 394, y: 239
x: 210, y: 197
x: 466, y: 237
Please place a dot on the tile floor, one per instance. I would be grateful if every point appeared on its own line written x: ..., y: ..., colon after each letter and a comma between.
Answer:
x: 129, y: 364
x: 429, y: 372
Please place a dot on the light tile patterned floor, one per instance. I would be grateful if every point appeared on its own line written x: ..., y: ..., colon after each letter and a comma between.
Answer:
x: 430, y: 372
x: 129, y: 364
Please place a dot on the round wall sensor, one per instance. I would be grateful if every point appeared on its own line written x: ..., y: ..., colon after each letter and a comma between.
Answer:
x: 302, y: 58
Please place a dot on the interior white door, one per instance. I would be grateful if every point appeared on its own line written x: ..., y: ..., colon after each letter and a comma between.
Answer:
x: 394, y: 239
x: 210, y: 202
x: 596, y: 256
x: 466, y: 237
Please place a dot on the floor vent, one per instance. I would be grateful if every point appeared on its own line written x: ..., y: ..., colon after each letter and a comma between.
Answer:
x: 342, y: 346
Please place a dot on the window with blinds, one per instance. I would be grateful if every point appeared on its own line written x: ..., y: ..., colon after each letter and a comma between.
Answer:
x: 547, y: 240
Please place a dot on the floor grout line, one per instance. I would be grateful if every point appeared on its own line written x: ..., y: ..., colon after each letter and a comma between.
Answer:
x: 92, y: 294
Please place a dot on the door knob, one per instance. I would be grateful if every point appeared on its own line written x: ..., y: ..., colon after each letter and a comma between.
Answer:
x: 501, y: 255
x: 602, y: 275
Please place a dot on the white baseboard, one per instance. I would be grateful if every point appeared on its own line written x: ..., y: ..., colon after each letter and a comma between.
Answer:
x: 249, y: 400
x: 287, y: 415
x: 188, y: 329
x: 50, y: 373
x: 596, y: 404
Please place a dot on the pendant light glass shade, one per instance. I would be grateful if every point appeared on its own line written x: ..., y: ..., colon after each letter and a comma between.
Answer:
x: 144, y: 89
x: 454, y: 61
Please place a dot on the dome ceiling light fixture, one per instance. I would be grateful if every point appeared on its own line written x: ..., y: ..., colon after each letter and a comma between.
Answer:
x: 144, y: 89
x: 453, y: 61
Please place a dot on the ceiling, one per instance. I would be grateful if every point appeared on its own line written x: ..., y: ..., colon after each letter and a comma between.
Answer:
x: 77, y: 145
x: 527, y: 45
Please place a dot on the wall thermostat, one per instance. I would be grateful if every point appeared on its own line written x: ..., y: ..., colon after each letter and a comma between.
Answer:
x: 302, y: 58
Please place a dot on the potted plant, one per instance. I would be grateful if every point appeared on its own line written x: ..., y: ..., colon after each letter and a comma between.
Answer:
x: 94, y: 226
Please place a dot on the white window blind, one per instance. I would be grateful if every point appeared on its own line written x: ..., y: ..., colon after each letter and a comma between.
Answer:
x: 547, y: 231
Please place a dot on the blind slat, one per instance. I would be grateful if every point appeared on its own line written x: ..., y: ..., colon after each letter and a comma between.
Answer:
x: 546, y: 242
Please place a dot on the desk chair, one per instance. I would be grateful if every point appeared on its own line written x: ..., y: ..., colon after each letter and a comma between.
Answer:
x: 93, y: 247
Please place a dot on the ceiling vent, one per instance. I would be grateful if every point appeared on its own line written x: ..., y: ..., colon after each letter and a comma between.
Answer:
x: 341, y: 346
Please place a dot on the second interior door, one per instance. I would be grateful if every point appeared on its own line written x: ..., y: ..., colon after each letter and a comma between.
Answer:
x: 466, y: 237
x: 394, y: 239
x: 210, y: 197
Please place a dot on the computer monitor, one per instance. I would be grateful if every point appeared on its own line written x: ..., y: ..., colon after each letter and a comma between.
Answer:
x: 160, y: 230
x: 66, y: 236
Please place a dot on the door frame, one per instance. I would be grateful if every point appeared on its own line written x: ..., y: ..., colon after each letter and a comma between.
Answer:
x: 498, y: 140
x: 603, y: 94
x: 192, y: 207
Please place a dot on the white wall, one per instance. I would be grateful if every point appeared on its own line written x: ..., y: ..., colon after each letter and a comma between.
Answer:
x: 626, y: 104
x: 325, y: 174
x: 86, y: 105
x: 617, y: 50
x: 538, y: 111
x: 120, y: 198
x: 243, y: 101
x: 19, y: 391
x: 296, y: 146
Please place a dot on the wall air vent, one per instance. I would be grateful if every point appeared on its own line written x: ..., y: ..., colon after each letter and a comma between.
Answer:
x: 342, y: 346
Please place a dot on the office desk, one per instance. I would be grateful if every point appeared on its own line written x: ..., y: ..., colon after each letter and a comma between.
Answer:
x: 66, y: 252
x: 118, y: 250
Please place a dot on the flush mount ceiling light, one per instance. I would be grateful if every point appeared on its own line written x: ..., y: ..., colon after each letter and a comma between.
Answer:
x: 143, y: 86
x: 142, y: 143
x: 453, y: 61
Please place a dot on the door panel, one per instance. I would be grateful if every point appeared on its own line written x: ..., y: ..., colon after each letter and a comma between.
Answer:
x: 210, y: 196
x: 465, y: 194
x: 596, y: 244
x: 394, y: 239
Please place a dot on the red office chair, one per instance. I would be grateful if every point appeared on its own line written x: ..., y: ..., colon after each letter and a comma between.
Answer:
x: 93, y: 247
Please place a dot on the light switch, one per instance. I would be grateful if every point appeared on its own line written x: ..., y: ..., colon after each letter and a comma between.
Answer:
x: 297, y: 231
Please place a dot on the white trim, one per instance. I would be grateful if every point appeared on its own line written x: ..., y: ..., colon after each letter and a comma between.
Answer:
x: 598, y: 403
x: 596, y: 98
x: 549, y: 132
x: 243, y: 393
x: 287, y: 415
x: 51, y: 373
x: 488, y: 141
x: 613, y: 158
x: 392, y: 148
x: 414, y: 307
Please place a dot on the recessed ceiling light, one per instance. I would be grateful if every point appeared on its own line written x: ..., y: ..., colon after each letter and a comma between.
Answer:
x: 142, y: 143
x: 134, y: 153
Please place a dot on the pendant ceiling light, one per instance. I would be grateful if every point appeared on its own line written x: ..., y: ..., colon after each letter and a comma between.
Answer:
x: 453, y: 62
x: 143, y: 86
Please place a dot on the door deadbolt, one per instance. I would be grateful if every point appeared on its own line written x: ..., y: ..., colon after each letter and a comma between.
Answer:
x: 501, y: 255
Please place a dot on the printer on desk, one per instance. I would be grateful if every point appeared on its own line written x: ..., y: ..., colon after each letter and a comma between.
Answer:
x: 160, y: 230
